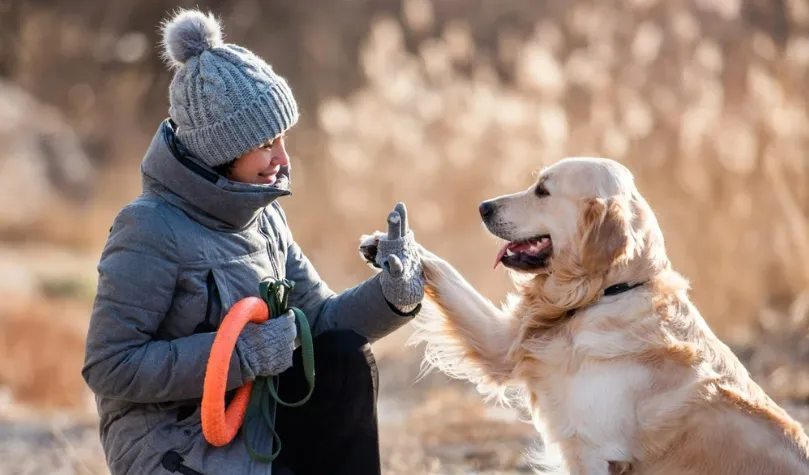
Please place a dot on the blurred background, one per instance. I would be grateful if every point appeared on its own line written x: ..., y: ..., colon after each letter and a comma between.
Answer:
x: 437, y: 103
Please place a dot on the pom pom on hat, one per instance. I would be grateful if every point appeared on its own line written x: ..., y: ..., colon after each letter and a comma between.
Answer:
x: 188, y: 34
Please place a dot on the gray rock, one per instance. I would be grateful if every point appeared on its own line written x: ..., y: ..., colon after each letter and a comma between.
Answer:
x: 41, y: 159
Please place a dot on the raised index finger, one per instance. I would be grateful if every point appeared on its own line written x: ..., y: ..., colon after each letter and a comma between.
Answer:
x: 402, y: 210
x: 394, y: 226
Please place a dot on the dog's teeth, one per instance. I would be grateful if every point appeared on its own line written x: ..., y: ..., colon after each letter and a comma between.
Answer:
x: 509, y: 252
x: 543, y: 240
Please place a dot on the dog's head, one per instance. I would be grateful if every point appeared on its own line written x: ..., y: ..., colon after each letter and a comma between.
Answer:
x: 583, y: 216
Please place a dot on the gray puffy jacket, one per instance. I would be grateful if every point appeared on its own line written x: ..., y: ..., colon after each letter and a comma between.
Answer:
x: 177, y: 258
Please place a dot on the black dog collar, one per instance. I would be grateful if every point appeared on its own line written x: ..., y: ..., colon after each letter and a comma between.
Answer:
x: 611, y: 290
x: 620, y: 288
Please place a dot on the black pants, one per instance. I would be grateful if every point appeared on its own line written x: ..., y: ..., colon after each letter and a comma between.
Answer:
x: 335, y: 431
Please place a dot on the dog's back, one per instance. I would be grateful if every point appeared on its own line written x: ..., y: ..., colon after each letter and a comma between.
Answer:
x: 642, y: 379
x: 730, y: 426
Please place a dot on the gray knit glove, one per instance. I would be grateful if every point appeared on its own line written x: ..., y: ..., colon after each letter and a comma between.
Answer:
x: 402, y: 279
x: 265, y: 349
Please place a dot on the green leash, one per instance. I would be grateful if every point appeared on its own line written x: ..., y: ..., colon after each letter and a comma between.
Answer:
x: 276, y: 294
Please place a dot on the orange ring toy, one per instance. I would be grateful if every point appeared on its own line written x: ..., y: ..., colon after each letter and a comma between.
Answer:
x: 220, y: 425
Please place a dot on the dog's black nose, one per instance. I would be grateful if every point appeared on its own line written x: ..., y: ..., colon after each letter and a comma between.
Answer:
x: 486, y: 209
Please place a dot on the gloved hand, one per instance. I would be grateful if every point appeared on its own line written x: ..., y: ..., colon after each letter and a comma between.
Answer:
x: 402, y: 279
x: 265, y: 349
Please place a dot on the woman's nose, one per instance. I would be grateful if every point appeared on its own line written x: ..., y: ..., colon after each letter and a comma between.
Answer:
x: 280, y: 156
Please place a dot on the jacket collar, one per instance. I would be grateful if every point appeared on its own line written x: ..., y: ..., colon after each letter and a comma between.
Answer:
x: 205, y: 196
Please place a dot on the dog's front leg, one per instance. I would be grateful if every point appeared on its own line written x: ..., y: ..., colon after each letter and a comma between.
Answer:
x: 468, y: 337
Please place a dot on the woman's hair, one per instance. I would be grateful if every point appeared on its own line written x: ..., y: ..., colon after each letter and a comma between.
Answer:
x: 225, y: 168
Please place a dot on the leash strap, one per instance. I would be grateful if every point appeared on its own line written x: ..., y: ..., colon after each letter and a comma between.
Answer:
x: 276, y: 294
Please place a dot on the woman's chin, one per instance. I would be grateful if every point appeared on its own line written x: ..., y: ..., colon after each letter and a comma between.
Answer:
x: 266, y: 180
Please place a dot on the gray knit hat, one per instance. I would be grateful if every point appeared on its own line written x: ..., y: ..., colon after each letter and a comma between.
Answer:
x: 225, y: 100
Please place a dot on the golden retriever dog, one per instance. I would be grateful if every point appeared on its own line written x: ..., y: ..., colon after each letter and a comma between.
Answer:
x: 617, y: 367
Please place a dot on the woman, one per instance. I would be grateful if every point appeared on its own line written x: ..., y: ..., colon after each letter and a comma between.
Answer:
x: 205, y: 231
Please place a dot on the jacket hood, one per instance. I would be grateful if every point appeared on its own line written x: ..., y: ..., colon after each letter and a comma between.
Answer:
x: 207, y: 197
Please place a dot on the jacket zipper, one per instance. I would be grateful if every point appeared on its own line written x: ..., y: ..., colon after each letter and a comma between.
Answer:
x: 206, y: 326
x: 213, y: 294
x: 273, y: 256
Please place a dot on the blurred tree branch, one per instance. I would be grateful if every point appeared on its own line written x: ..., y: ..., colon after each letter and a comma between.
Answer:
x: 10, y: 20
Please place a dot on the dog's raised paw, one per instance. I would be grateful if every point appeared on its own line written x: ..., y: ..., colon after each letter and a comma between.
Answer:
x: 369, y: 245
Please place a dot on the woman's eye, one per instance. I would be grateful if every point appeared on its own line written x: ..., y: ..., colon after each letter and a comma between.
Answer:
x: 541, y: 191
x: 271, y: 143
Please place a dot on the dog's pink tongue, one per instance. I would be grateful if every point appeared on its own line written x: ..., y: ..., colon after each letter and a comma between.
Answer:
x: 516, y: 247
x: 501, y: 254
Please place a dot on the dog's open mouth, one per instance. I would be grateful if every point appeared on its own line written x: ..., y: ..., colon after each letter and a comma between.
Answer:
x: 526, y: 255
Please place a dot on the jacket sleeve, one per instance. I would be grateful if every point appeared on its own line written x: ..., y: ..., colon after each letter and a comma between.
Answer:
x: 361, y: 308
x: 137, y: 273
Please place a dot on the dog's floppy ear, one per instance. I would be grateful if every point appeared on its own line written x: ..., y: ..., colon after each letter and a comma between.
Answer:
x: 605, y: 228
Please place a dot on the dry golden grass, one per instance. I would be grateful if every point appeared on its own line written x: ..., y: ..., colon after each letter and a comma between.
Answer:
x: 715, y: 133
x: 41, y: 354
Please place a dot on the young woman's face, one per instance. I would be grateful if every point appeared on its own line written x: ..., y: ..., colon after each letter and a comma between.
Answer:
x: 261, y: 165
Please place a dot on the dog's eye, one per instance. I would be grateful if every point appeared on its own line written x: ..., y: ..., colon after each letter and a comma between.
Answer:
x: 541, y: 191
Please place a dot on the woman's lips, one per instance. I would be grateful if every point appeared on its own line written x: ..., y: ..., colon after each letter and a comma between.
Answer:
x: 269, y: 175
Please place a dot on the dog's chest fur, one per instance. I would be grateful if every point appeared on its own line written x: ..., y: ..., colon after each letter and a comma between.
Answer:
x: 586, y: 396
